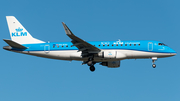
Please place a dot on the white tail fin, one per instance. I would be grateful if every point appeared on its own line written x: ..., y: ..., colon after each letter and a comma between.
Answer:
x: 18, y: 33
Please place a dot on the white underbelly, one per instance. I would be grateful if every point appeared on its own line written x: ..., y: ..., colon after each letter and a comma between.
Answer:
x: 75, y: 55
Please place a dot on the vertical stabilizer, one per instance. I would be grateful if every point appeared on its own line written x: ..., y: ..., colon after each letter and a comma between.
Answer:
x: 18, y: 33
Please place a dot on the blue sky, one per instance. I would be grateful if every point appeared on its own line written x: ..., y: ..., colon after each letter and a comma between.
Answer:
x: 30, y: 78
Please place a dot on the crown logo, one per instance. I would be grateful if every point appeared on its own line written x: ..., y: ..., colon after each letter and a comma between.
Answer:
x: 110, y: 53
x: 19, y: 29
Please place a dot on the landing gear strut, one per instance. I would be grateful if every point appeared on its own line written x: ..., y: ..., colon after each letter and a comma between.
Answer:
x: 91, y: 64
x: 153, y: 60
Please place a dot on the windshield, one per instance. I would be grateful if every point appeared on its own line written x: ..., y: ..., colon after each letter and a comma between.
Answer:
x: 162, y: 44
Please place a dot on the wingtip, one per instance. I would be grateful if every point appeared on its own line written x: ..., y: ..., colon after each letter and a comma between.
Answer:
x: 63, y: 23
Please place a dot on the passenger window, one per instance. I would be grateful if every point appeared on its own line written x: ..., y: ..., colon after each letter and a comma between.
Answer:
x: 112, y: 45
x: 116, y: 44
x: 66, y: 45
x: 99, y: 45
x: 121, y: 44
x: 125, y: 44
x: 107, y: 45
x: 139, y: 44
x: 129, y: 44
x: 62, y: 46
x: 54, y: 45
x: 134, y: 44
x: 103, y: 45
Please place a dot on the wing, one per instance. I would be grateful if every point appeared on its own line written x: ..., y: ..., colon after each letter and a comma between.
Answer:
x: 82, y: 45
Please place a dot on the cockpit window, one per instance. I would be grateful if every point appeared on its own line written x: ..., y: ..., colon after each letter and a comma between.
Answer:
x: 162, y: 44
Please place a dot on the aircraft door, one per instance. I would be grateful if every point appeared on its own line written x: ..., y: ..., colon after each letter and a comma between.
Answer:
x: 150, y: 46
x: 46, y: 48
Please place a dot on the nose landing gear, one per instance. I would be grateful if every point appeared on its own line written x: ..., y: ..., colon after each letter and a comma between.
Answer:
x: 153, y: 60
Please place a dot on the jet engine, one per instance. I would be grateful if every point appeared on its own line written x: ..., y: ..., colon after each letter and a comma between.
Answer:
x: 111, y: 64
x: 112, y: 55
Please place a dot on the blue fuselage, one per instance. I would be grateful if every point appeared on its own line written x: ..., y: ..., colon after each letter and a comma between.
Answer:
x: 146, y: 46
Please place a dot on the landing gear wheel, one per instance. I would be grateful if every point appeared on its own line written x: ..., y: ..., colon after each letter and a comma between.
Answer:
x: 153, y: 60
x: 92, y: 68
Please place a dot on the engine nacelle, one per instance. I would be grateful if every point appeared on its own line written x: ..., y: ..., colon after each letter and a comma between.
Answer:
x: 111, y: 64
x: 111, y: 54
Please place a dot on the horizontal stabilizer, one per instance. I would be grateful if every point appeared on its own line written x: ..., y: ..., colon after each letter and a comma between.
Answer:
x: 14, y: 44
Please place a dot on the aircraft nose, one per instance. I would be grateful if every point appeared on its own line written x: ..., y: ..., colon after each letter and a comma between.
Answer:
x: 173, y: 52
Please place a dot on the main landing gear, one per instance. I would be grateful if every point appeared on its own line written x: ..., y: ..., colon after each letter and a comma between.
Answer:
x: 153, y: 60
x: 91, y: 64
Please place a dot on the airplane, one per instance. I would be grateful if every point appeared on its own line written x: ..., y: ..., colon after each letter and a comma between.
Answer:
x: 106, y: 53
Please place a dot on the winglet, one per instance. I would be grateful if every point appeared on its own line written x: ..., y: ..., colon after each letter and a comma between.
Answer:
x: 14, y: 44
x: 67, y: 30
x: 79, y: 43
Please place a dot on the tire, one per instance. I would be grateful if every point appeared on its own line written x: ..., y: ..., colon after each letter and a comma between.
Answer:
x: 92, y: 68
